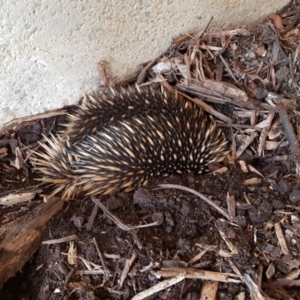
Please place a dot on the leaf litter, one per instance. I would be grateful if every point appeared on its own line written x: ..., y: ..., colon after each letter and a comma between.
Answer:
x: 164, y: 241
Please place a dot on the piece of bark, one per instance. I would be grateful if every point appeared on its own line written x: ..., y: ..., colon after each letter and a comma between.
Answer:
x: 22, y: 237
x: 209, y: 94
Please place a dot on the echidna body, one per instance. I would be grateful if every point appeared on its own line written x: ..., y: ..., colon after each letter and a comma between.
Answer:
x: 123, y: 139
x: 112, y: 106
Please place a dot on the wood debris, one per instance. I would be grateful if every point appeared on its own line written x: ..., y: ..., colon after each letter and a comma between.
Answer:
x: 229, y: 234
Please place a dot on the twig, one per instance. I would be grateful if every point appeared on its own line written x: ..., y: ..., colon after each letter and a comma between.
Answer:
x: 117, y: 221
x: 288, y: 130
x: 292, y: 24
x: 205, y: 29
x: 255, y: 292
x: 143, y: 74
x: 208, y: 108
x: 101, y: 257
x: 265, y: 131
x: 193, y: 273
x: 103, y: 79
x: 230, y: 245
x: 62, y: 240
x: 245, y: 144
x: 208, y: 201
x: 159, y: 287
x: 92, y: 218
x: 281, y: 239
x: 15, y: 122
x: 229, y: 70
x: 128, y: 265
x: 68, y: 278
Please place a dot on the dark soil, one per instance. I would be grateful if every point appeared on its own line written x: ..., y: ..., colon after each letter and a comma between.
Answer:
x: 249, y: 244
x: 186, y: 227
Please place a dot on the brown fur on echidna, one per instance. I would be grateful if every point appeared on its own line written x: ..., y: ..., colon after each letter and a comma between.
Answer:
x: 122, y: 139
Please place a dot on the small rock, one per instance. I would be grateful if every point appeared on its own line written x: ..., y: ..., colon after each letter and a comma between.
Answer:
x: 186, y: 208
x: 294, y: 196
x: 261, y: 214
x: 158, y: 217
x: 284, y: 186
x: 144, y: 199
x: 169, y: 219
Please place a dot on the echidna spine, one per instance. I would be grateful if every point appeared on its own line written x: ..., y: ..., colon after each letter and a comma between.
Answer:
x: 125, y: 152
x: 111, y: 106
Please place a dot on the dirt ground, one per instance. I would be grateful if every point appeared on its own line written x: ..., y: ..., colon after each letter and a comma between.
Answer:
x: 245, y: 245
x: 186, y: 227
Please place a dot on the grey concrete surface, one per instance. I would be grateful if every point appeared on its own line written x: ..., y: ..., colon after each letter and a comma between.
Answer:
x: 49, y: 49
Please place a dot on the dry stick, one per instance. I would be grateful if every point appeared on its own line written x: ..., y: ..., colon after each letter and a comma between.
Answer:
x: 288, y: 130
x: 211, y: 97
x: 229, y: 244
x: 245, y: 144
x: 229, y: 70
x: 92, y: 218
x: 136, y: 239
x: 294, y: 84
x: 264, y: 133
x: 242, y: 126
x: 68, y: 278
x: 208, y: 108
x: 281, y: 239
x: 192, y: 273
x: 205, y: 29
x: 143, y: 74
x: 9, y: 125
x: 103, y: 79
x: 128, y: 265
x: 208, y: 201
x: 290, y: 13
x: 291, y: 137
x: 208, y: 69
x: 117, y: 221
x: 188, y: 63
x: 101, y: 257
x: 159, y: 287
x: 61, y: 240
x: 291, y: 25
x: 255, y: 292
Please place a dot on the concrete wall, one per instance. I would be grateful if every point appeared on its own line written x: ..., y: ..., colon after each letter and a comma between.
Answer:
x: 49, y: 49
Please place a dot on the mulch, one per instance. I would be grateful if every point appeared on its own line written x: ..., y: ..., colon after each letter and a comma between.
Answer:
x: 233, y: 233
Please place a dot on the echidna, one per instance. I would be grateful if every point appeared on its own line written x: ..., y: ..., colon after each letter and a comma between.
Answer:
x: 121, y: 139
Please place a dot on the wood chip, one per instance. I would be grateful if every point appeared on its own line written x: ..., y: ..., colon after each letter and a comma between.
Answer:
x: 13, y: 199
x: 281, y: 238
x: 209, y: 290
x: 128, y: 265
